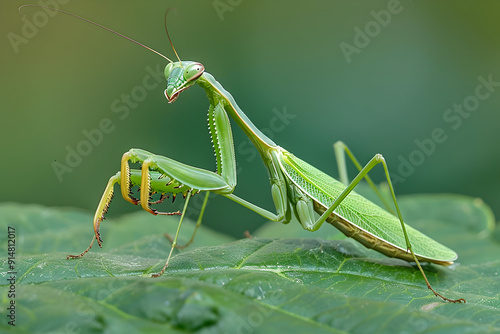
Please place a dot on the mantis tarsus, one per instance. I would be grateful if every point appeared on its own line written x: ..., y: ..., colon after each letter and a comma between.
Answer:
x: 295, y: 185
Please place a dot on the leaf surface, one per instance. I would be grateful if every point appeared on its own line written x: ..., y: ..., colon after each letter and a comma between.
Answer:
x: 284, y: 279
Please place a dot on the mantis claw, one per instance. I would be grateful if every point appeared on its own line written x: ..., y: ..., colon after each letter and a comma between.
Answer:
x: 99, y: 239
x: 82, y: 253
x: 162, y: 198
x: 175, y: 213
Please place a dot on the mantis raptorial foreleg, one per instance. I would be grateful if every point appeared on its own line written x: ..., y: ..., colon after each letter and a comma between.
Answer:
x: 102, y: 208
x: 165, y: 175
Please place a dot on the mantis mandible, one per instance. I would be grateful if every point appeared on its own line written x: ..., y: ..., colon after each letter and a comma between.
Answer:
x: 295, y: 185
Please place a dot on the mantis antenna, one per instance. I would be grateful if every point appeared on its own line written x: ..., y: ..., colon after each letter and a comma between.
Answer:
x: 168, y: 35
x: 101, y: 26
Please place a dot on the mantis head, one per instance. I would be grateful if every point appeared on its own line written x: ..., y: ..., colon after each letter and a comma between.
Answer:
x: 181, y: 76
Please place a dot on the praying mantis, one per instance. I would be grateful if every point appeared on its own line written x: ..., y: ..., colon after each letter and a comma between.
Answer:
x: 296, y: 187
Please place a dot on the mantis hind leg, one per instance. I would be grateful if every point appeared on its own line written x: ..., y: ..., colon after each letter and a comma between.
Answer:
x: 341, y: 149
x: 377, y: 159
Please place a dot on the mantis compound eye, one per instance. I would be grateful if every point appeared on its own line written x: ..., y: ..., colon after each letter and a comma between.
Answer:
x: 193, y: 71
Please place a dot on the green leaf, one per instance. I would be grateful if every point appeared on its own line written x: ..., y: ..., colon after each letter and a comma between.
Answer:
x: 284, y: 279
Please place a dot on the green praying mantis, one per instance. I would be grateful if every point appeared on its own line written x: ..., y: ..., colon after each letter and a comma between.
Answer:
x: 313, y: 196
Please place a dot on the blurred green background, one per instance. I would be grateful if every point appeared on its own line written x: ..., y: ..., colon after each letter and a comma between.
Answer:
x: 339, y: 70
